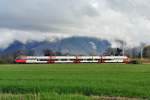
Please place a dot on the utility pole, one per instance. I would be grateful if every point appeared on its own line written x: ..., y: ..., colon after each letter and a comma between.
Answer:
x: 141, y: 53
x: 141, y: 50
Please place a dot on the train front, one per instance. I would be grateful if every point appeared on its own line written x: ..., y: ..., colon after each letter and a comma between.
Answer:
x: 20, y: 60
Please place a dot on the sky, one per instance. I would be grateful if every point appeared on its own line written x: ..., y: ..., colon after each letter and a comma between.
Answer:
x: 39, y: 20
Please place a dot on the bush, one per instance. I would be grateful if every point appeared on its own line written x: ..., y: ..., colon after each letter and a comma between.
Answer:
x: 135, y: 62
x: 2, y: 62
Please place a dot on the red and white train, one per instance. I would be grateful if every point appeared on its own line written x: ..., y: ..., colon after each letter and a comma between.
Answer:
x: 71, y: 59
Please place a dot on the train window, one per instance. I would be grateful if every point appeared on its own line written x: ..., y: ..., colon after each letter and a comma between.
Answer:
x: 89, y: 59
x: 81, y: 59
x: 63, y: 59
x: 108, y: 59
x: 55, y: 60
x: 72, y: 59
x: 42, y: 59
x: 97, y: 59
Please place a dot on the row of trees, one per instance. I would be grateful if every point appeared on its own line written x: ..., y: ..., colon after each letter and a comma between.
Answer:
x: 134, y: 53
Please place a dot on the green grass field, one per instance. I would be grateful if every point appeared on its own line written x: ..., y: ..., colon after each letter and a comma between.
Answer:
x: 73, y: 81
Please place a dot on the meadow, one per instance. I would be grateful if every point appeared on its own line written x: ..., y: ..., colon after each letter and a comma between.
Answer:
x: 73, y: 81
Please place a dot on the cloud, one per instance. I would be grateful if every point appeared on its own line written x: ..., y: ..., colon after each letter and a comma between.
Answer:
x: 93, y: 45
x: 9, y: 36
x: 27, y: 20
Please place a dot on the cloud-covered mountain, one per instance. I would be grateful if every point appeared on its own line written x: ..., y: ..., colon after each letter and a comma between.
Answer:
x: 73, y: 45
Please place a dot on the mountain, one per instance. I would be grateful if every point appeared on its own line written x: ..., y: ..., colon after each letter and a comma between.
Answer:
x: 72, y: 45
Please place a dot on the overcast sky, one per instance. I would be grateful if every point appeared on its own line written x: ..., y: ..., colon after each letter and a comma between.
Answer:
x: 27, y: 20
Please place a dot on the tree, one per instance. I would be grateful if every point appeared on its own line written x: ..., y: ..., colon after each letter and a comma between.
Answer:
x: 146, y: 52
x: 113, y: 51
x: 122, y: 45
x: 118, y: 52
x: 48, y: 52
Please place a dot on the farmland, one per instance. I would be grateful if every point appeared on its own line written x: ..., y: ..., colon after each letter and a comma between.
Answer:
x: 74, y: 81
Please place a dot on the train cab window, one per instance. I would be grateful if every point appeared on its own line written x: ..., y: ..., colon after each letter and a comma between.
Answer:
x: 32, y: 59
x: 22, y: 58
